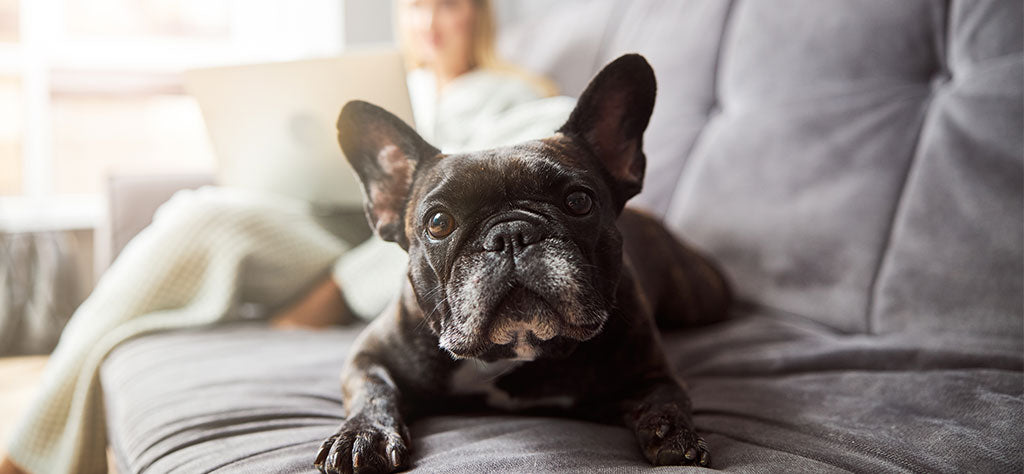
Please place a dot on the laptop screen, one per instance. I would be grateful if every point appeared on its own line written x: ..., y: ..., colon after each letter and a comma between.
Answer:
x: 273, y: 125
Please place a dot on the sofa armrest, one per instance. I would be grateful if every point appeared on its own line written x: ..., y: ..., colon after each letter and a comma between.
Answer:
x: 131, y: 201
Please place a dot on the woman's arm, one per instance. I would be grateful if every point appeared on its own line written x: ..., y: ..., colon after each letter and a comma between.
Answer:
x: 323, y: 306
x: 365, y: 279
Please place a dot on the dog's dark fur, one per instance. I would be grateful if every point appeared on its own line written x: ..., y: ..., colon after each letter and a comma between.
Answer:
x: 571, y: 295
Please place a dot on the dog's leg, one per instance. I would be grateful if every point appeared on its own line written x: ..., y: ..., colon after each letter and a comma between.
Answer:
x: 645, y: 395
x: 373, y: 437
x: 660, y: 416
x: 393, y: 367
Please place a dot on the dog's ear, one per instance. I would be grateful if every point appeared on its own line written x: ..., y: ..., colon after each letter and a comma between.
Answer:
x: 610, y: 118
x: 385, y: 153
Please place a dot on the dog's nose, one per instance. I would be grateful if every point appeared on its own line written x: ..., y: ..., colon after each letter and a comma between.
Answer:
x: 511, y: 235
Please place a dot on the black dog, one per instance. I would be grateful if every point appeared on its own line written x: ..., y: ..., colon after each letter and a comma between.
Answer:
x: 523, y: 257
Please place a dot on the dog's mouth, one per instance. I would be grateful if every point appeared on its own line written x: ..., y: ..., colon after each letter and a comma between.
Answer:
x: 524, y: 308
x: 527, y: 307
x: 523, y: 320
x: 524, y: 325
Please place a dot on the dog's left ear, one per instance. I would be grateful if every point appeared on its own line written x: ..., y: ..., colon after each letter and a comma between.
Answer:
x: 385, y: 152
x: 610, y: 118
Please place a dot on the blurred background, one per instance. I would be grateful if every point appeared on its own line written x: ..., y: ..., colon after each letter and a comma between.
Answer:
x: 92, y: 89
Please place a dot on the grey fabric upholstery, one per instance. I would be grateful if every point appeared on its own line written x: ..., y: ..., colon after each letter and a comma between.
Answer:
x: 839, y: 158
x: 772, y: 393
x: 857, y: 169
x: 953, y: 264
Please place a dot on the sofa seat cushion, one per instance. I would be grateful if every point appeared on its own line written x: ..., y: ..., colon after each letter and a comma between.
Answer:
x: 770, y: 393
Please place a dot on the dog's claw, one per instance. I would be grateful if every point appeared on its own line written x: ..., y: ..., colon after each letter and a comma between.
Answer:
x: 666, y: 438
x: 393, y: 457
x: 361, y: 446
x: 321, y: 455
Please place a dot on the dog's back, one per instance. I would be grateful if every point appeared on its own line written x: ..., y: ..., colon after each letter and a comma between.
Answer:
x: 683, y: 287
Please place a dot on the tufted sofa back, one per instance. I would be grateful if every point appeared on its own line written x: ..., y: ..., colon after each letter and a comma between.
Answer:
x: 856, y: 163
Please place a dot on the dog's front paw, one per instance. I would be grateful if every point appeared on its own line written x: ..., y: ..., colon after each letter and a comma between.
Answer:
x: 667, y: 439
x: 363, y: 446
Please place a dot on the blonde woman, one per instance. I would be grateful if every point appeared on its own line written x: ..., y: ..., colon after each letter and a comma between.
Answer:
x: 464, y: 97
x: 211, y: 250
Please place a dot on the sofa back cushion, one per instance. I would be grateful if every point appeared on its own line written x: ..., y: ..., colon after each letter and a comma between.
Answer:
x: 954, y: 263
x: 857, y: 164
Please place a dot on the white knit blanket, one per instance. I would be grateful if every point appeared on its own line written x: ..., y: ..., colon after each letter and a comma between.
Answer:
x: 208, y: 254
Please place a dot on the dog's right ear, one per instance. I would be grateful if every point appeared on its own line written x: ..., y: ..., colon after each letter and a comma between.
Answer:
x: 385, y: 152
x: 610, y: 118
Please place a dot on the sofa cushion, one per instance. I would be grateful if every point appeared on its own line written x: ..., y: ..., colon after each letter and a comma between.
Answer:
x: 954, y: 261
x: 770, y: 393
x: 794, y: 182
x: 856, y: 164
x: 562, y: 41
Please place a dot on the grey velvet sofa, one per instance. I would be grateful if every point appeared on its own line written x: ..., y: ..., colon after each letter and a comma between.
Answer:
x: 856, y: 167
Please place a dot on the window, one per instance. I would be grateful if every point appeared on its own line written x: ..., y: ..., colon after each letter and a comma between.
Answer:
x: 9, y: 25
x: 10, y: 97
x: 148, y: 130
x: 93, y: 87
x: 147, y: 18
x: 10, y: 135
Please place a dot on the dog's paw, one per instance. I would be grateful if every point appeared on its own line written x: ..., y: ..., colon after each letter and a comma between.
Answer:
x: 362, y: 446
x: 667, y: 439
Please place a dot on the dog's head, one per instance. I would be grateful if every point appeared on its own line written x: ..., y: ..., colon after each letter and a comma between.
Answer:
x: 514, y: 252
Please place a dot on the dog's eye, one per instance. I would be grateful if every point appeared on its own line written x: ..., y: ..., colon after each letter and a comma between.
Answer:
x: 440, y: 225
x: 578, y: 202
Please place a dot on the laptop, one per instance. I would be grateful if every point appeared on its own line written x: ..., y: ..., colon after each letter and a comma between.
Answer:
x: 272, y: 126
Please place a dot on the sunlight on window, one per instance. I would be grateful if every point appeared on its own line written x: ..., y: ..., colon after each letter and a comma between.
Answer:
x: 97, y: 83
x: 192, y: 18
x: 10, y: 136
x: 99, y: 134
x: 9, y: 30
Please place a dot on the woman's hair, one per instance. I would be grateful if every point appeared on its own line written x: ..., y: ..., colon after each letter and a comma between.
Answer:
x: 484, y: 52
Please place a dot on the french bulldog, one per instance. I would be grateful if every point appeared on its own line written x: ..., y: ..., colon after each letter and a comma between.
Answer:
x: 528, y: 285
